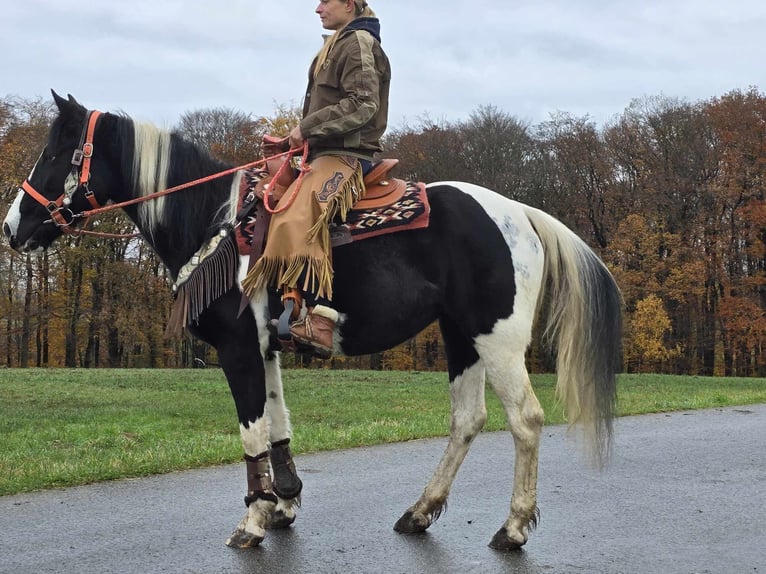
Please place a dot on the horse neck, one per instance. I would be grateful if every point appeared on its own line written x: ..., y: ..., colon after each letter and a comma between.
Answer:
x: 177, y: 224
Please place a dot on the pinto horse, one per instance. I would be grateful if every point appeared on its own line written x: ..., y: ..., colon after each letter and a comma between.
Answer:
x: 484, y: 268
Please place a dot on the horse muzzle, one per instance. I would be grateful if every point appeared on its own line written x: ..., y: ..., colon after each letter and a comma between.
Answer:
x: 31, y: 245
x: 11, y: 237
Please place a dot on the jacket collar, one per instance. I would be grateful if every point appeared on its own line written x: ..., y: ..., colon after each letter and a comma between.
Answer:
x: 371, y: 25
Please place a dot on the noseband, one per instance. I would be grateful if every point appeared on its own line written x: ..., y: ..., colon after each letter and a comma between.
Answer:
x: 81, y: 159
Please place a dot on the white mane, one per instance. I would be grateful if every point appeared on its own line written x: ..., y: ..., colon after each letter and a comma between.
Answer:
x: 151, y: 160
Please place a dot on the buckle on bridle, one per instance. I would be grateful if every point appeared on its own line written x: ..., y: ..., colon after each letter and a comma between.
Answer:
x: 59, y: 217
x: 78, y: 155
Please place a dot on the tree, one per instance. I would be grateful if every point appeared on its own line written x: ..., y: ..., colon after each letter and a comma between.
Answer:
x: 23, y: 129
x: 672, y: 193
x: 578, y: 177
x: 495, y: 150
x: 736, y: 228
x: 430, y: 152
x: 649, y: 328
x: 229, y: 135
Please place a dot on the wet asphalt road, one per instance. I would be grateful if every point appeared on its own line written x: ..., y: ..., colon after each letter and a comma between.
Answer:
x: 685, y: 493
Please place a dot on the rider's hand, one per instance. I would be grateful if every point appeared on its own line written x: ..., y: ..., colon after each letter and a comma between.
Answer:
x: 296, y: 137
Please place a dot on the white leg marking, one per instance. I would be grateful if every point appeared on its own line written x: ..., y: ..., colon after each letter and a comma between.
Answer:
x: 507, y: 374
x: 276, y: 409
x: 259, y: 304
x: 255, y: 520
x: 255, y: 437
x: 469, y: 414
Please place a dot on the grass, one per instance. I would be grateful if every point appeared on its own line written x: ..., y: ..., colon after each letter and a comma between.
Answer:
x: 68, y: 427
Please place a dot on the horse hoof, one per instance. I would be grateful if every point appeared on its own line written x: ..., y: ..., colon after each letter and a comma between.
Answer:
x: 502, y: 542
x: 242, y: 539
x: 280, y: 519
x: 411, y: 523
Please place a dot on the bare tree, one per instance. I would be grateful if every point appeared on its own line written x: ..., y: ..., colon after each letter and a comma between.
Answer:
x: 229, y: 135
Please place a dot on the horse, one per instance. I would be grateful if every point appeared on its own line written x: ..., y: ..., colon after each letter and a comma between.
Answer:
x: 487, y: 268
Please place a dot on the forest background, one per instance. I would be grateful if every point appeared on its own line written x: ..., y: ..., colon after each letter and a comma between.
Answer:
x: 669, y: 193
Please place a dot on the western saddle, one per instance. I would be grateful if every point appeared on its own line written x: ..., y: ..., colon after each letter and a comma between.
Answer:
x: 381, y: 188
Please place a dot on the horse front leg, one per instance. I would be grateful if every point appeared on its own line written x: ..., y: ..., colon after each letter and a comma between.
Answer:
x: 260, y: 499
x: 286, y: 484
x: 245, y: 374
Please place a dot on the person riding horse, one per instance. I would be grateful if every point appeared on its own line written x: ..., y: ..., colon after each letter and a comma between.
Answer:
x: 345, y: 113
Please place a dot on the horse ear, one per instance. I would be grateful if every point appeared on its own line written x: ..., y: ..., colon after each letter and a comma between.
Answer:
x: 68, y: 106
x: 61, y: 103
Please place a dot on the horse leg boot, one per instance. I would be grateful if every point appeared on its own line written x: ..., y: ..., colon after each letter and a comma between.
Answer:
x: 260, y: 502
x: 260, y: 499
x: 316, y: 330
x: 286, y: 485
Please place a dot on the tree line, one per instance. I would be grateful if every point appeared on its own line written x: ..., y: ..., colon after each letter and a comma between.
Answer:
x: 669, y: 193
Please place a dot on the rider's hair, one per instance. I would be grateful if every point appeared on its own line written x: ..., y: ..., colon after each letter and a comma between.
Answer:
x: 362, y: 10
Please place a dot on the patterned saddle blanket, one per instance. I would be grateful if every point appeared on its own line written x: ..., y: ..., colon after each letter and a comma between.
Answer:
x: 409, y: 211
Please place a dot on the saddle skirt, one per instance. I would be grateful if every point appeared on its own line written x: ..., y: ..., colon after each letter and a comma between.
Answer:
x: 390, y: 205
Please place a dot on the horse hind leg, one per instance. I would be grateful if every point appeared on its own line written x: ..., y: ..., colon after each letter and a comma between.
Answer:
x: 508, y: 377
x: 469, y: 414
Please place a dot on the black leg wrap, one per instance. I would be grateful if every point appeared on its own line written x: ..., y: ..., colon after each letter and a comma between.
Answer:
x: 259, y: 479
x: 286, y: 482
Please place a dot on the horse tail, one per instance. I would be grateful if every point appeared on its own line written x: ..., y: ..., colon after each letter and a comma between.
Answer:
x: 582, y: 308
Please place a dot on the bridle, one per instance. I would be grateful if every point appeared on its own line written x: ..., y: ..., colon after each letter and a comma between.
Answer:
x: 61, y: 215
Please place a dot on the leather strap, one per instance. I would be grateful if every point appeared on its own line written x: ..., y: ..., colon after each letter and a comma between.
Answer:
x: 86, y: 147
x: 258, y: 240
x: 259, y: 479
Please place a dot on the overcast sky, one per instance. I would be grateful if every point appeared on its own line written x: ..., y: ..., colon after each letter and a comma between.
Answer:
x: 155, y: 60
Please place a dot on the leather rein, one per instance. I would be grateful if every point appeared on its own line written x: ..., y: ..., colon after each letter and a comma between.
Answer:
x: 63, y: 217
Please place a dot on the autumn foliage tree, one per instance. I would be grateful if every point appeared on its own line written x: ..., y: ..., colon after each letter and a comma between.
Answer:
x: 669, y: 193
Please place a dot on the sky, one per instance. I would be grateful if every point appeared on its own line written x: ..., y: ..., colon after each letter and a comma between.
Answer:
x: 156, y: 60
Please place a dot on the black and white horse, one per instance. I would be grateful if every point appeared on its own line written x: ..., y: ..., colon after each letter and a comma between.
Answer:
x: 484, y: 268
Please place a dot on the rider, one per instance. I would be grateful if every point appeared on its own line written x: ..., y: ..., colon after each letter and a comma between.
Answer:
x: 345, y: 112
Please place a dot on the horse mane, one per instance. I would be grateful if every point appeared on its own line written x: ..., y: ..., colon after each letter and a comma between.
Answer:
x: 159, y: 159
x: 151, y: 159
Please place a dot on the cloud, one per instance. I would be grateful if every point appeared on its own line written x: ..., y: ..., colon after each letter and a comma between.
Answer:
x: 156, y: 60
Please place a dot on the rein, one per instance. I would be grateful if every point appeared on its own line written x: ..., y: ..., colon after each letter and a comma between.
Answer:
x: 81, y: 160
x: 304, y: 168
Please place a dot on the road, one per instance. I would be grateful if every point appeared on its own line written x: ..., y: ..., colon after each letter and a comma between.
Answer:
x: 685, y: 493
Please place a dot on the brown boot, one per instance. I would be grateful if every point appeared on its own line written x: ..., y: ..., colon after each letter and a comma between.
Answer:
x: 316, y: 330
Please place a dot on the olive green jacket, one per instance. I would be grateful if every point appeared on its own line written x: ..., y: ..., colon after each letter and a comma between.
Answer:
x: 345, y: 109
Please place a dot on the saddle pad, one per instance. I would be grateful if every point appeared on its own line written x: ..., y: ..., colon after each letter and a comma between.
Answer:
x: 411, y: 211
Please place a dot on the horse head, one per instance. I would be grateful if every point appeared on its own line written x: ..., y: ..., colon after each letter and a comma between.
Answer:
x: 62, y: 184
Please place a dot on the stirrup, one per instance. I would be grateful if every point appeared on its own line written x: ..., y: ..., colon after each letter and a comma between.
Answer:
x: 293, y: 301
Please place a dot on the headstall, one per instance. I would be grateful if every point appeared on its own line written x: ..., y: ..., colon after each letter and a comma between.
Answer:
x: 79, y: 178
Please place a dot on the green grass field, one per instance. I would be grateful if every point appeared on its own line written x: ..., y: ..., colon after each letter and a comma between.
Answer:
x: 68, y: 427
